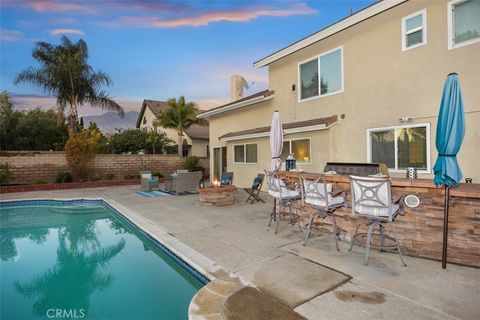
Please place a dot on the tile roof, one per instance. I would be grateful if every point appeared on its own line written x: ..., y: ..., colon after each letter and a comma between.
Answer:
x: 196, y: 131
x: 327, y: 121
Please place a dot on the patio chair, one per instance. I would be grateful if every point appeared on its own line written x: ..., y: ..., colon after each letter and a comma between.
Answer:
x: 148, y: 181
x: 226, y: 179
x: 283, y: 199
x: 318, y: 195
x: 371, y: 199
x: 254, y: 191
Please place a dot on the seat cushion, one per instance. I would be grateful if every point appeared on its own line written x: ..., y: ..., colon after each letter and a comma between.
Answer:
x: 376, y: 211
x: 286, y: 194
x: 315, y: 201
x: 146, y: 176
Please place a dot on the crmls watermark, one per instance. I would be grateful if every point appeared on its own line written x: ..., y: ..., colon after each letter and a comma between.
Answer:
x: 66, y: 313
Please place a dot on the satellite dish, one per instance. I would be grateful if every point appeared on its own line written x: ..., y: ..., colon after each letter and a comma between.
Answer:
x: 247, y: 84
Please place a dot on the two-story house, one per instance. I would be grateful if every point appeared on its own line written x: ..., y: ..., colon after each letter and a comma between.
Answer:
x: 195, y: 139
x: 365, y: 89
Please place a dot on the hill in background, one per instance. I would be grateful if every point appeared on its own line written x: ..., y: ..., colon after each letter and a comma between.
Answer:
x: 109, y: 122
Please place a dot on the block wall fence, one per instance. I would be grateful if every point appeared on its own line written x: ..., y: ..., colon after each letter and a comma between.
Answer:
x: 29, y: 166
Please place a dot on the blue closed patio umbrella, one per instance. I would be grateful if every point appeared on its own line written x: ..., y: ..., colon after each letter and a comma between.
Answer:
x: 450, y: 133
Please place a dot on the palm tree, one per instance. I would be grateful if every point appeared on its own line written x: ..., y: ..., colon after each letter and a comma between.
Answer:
x: 64, y: 72
x: 179, y: 116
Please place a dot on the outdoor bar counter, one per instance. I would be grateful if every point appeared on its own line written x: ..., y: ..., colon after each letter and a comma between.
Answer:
x: 420, y: 230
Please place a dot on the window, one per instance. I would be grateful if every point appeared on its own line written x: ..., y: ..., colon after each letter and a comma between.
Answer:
x: 414, y: 30
x: 245, y: 153
x: 463, y: 23
x: 330, y: 68
x: 400, y: 147
x: 300, y: 148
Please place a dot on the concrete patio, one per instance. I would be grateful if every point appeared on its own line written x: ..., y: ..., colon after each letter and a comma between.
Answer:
x: 314, y: 280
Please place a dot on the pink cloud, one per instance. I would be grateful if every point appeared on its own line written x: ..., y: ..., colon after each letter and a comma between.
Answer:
x: 10, y: 35
x: 66, y: 31
x: 214, y: 16
x: 54, y: 5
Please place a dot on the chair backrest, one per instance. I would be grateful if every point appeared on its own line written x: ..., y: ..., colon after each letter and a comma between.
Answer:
x: 276, y: 186
x: 145, y: 175
x: 227, y: 178
x: 258, y: 181
x: 371, y: 197
x: 316, y: 191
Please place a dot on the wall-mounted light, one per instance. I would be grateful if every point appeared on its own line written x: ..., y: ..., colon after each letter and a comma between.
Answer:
x: 294, y: 87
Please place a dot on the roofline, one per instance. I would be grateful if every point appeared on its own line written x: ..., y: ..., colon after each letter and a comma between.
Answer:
x: 345, y: 23
x: 234, y: 106
x: 140, y: 115
x: 316, y: 127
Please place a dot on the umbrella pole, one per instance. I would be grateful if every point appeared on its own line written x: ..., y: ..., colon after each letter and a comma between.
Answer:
x: 445, y: 227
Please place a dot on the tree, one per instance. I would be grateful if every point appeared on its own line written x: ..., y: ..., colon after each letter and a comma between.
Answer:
x: 29, y: 130
x: 8, y: 119
x: 135, y: 140
x: 64, y: 72
x: 179, y: 116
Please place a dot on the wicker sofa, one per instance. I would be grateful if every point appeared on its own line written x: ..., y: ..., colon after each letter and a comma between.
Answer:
x: 183, y: 181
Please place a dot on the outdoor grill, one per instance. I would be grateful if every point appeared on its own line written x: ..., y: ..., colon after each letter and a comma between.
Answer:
x: 356, y: 169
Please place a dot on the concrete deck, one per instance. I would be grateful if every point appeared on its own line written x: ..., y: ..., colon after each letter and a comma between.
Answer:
x: 237, y: 239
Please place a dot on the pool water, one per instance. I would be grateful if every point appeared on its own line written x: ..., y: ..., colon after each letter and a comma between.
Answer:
x: 85, y: 262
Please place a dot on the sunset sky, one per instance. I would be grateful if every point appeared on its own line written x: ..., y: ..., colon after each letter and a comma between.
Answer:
x: 161, y: 49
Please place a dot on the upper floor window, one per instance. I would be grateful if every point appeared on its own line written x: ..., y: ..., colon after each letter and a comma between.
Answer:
x: 414, y: 30
x: 322, y: 75
x: 245, y: 153
x: 463, y: 23
x: 400, y: 147
x: 300, y: 149
x: 144, y: 120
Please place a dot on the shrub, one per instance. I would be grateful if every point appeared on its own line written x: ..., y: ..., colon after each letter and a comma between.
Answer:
x: 94, y: 177
x: 191, y: 163
x: 109, y: 176
x: 80, y: 150
x: 64, y: 177
x: 128, y: 177
x: 5, y: 173
x: 39, y: 181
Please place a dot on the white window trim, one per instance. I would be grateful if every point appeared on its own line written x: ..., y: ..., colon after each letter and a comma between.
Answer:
x: 244, y: 153
x: 309, y: 146
x: 423, y: 13
x: 395, y: 170
x: 299, y: 81
x: 450, y: 34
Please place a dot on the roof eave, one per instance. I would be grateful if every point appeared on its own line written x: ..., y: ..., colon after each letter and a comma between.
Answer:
x: 316, y: 127
x: 235, y: 106
x: 328, y: 31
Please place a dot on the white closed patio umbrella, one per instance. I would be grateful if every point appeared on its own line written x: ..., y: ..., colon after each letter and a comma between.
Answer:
x: 276, y: 141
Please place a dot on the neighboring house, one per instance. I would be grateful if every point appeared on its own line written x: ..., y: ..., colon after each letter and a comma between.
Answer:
x: 382, y: 71
x: 195, y: 140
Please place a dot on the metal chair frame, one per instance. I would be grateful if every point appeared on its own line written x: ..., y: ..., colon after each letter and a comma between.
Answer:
x: 281, y: 202
x: 369, y: 198
x: 318, y: 189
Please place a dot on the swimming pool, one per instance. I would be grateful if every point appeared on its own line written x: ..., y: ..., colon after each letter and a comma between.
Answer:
x: 81, y: 259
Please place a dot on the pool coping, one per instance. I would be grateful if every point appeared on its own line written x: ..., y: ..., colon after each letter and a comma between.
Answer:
x: 220, y: 282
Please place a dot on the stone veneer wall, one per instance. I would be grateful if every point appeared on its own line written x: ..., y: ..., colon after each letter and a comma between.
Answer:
x: 420, y: 230
x: 28, y: 166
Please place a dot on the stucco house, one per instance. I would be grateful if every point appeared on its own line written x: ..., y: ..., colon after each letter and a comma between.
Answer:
x: 196, y: 137
x: 365, y: 89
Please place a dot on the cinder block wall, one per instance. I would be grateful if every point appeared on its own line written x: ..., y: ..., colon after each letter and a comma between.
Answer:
x: 29, y: 166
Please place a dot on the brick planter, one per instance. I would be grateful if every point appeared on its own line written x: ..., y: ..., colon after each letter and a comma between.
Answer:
x: 72, y: 185
x: 221, y: 196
